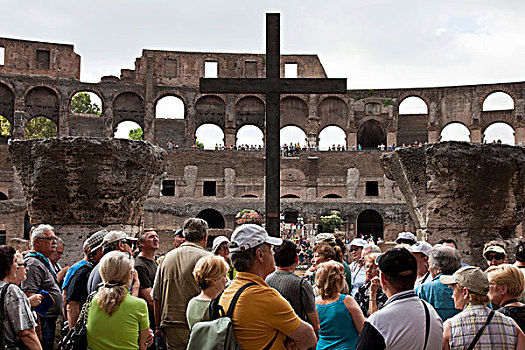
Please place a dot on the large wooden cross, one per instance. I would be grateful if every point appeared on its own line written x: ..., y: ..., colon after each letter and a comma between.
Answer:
x: 273, y: 86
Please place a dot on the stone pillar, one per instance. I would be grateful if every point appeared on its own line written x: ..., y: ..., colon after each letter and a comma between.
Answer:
x: 433, y: 136
x: 190, y: 123
x: 108, y: 118
x: 149, y: 95
x: 229, y: 183
x: 19, y: 119
x: 476, y: 135
x: 230, y: 136
x: 190, y: 177
x: 352, y: 183
x: 391, y: 138
x: 80, y: 185
x: 461, y: 190
x: 312, y: 123
x: 519, y: 136
x: 63, y: 115
x: 351, y: 140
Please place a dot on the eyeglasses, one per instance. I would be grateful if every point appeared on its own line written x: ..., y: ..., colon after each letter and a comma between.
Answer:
x: 498, y: 256
x: 354, y: 249
x: 22, y: 264
x: 47, y: 238
x: 220, y: 249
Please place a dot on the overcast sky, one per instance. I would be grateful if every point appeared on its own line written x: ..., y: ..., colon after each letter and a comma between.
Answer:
x: 374, y: 44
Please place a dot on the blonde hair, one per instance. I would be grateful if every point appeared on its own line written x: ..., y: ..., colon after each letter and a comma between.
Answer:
x: 371, y: 258
x: 509, y: 276
x: 329, y: 278
x: 115, y: 270
x: 208, y: 269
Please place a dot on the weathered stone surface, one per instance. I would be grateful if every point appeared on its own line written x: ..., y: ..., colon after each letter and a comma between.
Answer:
x: 470, y: 192
x: 69, y: 181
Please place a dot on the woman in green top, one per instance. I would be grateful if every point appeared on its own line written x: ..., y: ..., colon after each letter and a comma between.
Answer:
x: 210, y: 274
x: 116, y: 319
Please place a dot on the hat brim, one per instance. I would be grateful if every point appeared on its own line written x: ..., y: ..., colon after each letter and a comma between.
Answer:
x: 274, y: 241
x: 447, y: 279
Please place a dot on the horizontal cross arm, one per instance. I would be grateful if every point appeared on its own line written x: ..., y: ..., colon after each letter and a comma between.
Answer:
x: 312, y: 86
x: 232, y: 85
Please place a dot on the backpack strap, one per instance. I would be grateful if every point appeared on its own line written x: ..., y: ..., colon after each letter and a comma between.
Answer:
x: 231, y: 308
x: 427, y: 324
x: 478, y: 335
x: 3, y: 292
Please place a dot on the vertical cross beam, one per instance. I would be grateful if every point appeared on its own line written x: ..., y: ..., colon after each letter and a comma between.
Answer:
x: 273, y: 118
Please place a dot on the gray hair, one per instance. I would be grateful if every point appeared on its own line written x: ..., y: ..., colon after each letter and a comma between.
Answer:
x: 195, y: 229
x: 372, y: 247
x: 60, y: 240
x: 38, y: 232
x: 444, y: 258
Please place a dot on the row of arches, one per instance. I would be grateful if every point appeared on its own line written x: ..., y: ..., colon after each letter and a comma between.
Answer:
x: 369, y: 223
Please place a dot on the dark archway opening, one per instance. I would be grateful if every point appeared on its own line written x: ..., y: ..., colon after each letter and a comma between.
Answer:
x: 290, y: 196
x: 290, y: 216
x: 370, y: 224
x: 3, y: 196
x: 213, y: 218
x: 27, y: 227
x: 332, y: 195
x: 371, y: 134
x: 248, y: 196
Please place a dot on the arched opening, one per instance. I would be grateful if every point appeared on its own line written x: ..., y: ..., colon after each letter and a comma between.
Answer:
x: 413, y: 105
x: 370, y: 224
x: 42, y: 101
x: 128, y: 130
x: 213, y: 218
x: 455, y: 132
x: 250, y: 135
x: 499, y: 133
x: 170, y: 107
x: 371, y: 134
x: 290, y: 216
x: 7, y: 103
x: 249, y: 196
x: 498, y: 101
x: 210, y: 110
x: 209, y: 135
x: 27, y: 227
x: 332, y: 195
x: 332, y: 137
x: 5, y: 126
x: 293, y: 135
x: 40, y: 128
x: 290, y: 196
x: 128, y: 106
x: 250, y: 110
x: 86, y: 102
x: 3, y: 196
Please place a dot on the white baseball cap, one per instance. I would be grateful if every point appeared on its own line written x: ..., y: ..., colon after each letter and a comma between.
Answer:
x: 217, y: 242
x: 406, y: 235
x: 250, y: 235
x: 420, y: 247
x: 358, y: 242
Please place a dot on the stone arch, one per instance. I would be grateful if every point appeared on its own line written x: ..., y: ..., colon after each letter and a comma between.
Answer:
x: 210, y: 135
x: 290, y: 196
x: 7, y: 102
x: 250, y: 110
x: 42, y: 101
x: 332, y: 196
x: 99, y: 103
x: 250, y: 135
x: 503, y: 89
x: 331, y: 135
x: 290, y: 215
x: 333, y: 111
x: 294, y: 134
x: 419, y: 105
x: 413, y: 120
x: 40, y: 127
x: 3, y: 196
x: 249, y: 195
x: 170, y: 106
x: 128, y: 106
x: 369, y: 223
x: 455, y: 131
x: 123, y: 128
x: 210, y: 109
x: 213, y: 217
x: 499, y: 132
x: 411, y: 93
x: 294, y: 111
x: 371, y: 133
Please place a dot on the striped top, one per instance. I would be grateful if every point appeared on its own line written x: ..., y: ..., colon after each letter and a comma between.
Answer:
x: 500, y: 333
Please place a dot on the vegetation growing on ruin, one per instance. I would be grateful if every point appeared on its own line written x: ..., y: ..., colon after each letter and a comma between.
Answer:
x: 135, y: 134
x: 5, y: 126
x: 81, y: 103
x: 40, y: 128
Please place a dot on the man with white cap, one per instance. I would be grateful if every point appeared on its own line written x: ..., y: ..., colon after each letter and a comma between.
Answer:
x: 357, y: 267
x: 421, y: 251
x: 75, y: 283
x: 262, y: 317
x: 442, y: 260
x: 494, y: 253
x: 114, y: 240
x: 405, y: 238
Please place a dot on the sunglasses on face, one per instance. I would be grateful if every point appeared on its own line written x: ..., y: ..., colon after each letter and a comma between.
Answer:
x: 498, y: 256
x: 354, y: 249
x: 21, y: 264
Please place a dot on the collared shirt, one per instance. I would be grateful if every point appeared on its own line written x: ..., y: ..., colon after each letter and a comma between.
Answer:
x: 439, y: 296
x: 423, y: 279
x: 499, y: 334
x: 18, y: 315
x: 259, y: 312
x: 358, y: 276
x: 401, y: 324
x: 174, y: 283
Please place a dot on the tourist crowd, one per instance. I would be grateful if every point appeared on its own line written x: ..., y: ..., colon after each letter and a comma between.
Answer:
x: 352, y: 295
